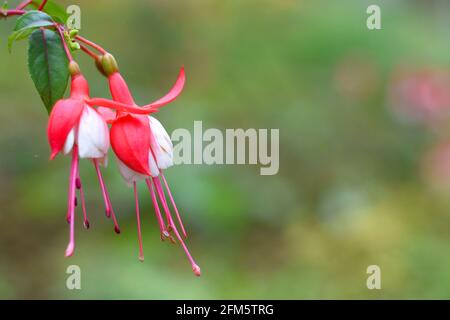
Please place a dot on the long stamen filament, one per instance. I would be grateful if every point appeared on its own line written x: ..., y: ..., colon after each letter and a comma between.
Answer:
x: 160, y: 192
x: 83, y: 202
x: 162, y: 227
x: 138, y: 218
x: 103, y: 188
x: 107, y: 200
x: 174, y: 205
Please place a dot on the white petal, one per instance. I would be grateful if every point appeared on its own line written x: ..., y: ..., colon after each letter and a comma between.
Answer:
x: 161, y: 144
x: 93, y: 135
x: 128, y: 174
x: 152, y: 165
x: 68, y: 145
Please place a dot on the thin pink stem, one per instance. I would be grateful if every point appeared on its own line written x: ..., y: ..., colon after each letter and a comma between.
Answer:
x: 41, y: 7
x: 174, y: 205
x: 138, y: 218
x: 91, y: 44
x: 10, y: 13
x: 24, y: 4
x: 90, y: 53
x: 162, y: 198
x: 107, y: 200
x: 71, y: 200
x: 63, y: 40
x: 162, y: 227
x: 83, y: 202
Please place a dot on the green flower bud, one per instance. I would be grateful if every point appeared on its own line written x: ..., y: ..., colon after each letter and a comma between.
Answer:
x: 73, y: 33
x: 74, y: 68
x: 99, y: 65
x: 109, y: 64
x: 74, y: 46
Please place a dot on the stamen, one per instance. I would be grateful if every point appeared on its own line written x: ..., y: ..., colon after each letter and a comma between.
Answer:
x: 162, y: 198
x: 78, y: 182
x: 103, y: 188
x: 138, y: 218
x: 162, y: 228
x: 83, y: 202
x: 174, y: 205
x: 108, y: 207
x: 71, y: 201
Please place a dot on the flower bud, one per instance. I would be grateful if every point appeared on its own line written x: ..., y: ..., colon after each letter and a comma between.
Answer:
x: 74, y: 46
x: 99, y: 65
x: 73, y: 33
x: 109, y: 64
x: 74, y: 68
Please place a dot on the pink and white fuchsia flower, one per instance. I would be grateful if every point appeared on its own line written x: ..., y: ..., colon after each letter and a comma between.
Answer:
x: 144, y: 149
x: 75, y: 127
x: 160, y: 152
x: 78, y: 125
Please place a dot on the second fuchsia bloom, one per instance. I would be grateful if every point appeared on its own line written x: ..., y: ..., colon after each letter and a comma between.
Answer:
x: 75, y: 127
x: 144, y: 149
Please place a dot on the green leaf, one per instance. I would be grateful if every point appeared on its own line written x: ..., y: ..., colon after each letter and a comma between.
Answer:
x: 53, y: 9
x: 27, y: 23
x: 48, y: 66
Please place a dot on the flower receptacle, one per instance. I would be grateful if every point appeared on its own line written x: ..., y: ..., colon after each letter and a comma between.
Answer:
x: 74, y: 68
x: 109, y: 64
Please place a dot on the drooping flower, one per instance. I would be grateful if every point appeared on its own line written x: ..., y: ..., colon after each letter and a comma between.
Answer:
x: 77, y: 128
x: 144, y: 150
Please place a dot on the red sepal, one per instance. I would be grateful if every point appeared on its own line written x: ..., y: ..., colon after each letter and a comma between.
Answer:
x: 63, y: 118
x: 130, y: 140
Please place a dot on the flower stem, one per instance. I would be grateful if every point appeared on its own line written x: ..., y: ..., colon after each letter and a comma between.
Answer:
x: 89, y: 52
x: 41, y: 7
x: 91, y: 44
x: 24, y: 4
x: 13, y: 12
x: 63, y: 40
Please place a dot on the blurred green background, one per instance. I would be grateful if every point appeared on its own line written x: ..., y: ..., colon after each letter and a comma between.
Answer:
x: 364, y: 166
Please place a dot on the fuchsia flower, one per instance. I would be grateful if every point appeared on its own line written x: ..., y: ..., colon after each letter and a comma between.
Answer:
x: 144, y: 150
x: 75, y: 127
x: 78, y: 126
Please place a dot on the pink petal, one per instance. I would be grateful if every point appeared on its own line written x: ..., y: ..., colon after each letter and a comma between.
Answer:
x: 130, y: 140
x: 63, y: 118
